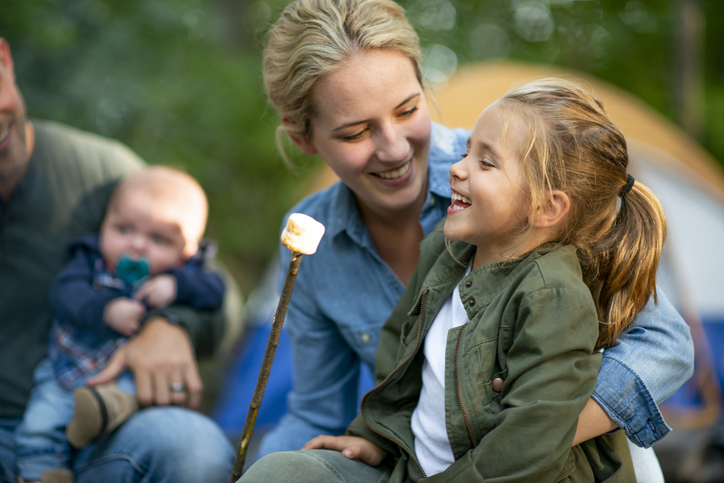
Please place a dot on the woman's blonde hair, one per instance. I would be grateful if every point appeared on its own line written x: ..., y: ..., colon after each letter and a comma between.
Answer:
x: 572, y: 145
x: 313, y: 37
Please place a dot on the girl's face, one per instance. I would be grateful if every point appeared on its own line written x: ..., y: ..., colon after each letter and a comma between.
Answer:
x: 372, y: 127
x: 490, y: 201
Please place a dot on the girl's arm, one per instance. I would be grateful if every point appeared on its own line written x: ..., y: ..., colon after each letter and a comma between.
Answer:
x: 648, y: 363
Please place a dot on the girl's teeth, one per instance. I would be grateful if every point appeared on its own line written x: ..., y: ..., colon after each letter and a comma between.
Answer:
x: 396, y: 173
x: 459, y: 197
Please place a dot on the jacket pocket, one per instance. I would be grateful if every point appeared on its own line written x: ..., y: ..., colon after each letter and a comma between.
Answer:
x: 481, y: 369
x: 568, y: 468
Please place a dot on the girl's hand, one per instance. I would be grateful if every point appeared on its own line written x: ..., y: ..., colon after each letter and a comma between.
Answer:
x: 158, y: 292
x: 124, y: 315
x: 352, y: 447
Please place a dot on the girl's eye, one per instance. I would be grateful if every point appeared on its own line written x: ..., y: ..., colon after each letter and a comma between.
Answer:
x: 464, y: 155
x: 485, y: 163
x: 124, y: 230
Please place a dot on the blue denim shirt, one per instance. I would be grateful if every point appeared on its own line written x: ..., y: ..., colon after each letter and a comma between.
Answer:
x: 345, y: 292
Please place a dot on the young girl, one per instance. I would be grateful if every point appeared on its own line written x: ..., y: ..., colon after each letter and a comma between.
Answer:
x: 492, y: 352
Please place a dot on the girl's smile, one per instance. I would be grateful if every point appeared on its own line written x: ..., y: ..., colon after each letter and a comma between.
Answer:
x: 459, y: 202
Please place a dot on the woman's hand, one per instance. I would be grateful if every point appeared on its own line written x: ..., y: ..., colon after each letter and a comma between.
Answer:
x: 352, y: 447
x: 592, y: 422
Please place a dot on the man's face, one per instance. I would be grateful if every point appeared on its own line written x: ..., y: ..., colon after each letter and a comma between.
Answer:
x: 14, y: 156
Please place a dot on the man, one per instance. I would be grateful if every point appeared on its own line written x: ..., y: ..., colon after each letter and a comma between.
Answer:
x: 54, y: 185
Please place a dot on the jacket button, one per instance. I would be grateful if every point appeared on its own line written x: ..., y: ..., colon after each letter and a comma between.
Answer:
x: 471, y: 302
x: 469, y: 283
x: 497, y: 384
x: 365, y: 337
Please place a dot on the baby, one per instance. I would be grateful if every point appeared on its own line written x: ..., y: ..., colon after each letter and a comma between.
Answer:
x: 149, y: 254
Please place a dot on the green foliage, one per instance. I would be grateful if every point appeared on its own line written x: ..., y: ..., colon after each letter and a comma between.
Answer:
x: 180, y: 81
x: 169, y: 78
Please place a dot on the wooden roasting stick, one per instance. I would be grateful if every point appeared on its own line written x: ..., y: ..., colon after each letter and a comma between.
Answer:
x: 302, y: 236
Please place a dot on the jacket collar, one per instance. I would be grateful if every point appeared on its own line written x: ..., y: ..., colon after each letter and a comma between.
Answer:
x: 486, y: 282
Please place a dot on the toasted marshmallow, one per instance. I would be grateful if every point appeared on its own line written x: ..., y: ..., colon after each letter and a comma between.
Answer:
x: 302, y: 233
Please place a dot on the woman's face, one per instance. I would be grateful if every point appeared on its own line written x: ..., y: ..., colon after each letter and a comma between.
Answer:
x: 372, y: 127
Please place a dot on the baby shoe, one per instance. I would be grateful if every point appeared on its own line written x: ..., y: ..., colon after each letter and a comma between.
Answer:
x: 57, y: 476
x: 98, y: 411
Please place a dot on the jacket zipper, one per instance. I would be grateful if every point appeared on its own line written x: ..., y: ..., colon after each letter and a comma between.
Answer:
x: 457, y: 388
x: 417, y: 341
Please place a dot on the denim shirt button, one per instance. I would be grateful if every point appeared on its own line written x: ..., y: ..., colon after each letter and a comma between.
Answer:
x: 471, y: 302
x: 366, y: 337
x: 497, y: 384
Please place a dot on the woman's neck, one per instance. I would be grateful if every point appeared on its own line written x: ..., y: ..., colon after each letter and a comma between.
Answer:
x: 397, y: 235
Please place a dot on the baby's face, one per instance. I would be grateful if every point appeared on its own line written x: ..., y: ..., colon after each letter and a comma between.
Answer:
x: 139, y: 227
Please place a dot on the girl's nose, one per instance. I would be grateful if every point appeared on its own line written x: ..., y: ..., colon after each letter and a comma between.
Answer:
x: 457, y: 170
x: 392, y: 144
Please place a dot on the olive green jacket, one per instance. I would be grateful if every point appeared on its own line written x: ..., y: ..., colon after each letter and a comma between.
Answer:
x: 517, y: 374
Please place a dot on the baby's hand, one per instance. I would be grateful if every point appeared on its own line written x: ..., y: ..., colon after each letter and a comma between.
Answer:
x: 352, y: 447
x: 124, y: 315
x: 158, y: 292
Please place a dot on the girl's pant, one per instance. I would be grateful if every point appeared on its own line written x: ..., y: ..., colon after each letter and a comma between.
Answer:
x: 311, y: 466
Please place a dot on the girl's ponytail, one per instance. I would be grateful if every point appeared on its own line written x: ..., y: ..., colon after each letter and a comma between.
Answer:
x: 616, y: 224
x: 629, y: 266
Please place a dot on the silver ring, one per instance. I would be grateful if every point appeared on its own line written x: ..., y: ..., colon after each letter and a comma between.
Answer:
x: 177, y: 387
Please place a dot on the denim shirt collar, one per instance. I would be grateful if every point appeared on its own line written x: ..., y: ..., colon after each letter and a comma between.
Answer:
x: 445, y: 146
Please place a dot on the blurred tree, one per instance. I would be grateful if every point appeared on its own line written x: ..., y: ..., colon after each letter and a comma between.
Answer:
x: 688, y: 78
x: 177, y: 80
x: 180, y: 81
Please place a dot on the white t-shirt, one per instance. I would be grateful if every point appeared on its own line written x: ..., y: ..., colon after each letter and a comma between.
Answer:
x: 432, y: 445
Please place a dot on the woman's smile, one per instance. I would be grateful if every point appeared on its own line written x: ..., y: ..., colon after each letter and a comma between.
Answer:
x: 396, y: 173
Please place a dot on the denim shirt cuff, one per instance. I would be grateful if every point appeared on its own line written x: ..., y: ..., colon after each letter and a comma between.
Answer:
x: 629, y: 403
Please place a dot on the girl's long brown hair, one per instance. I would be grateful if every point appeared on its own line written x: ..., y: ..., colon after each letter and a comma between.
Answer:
x: 573, y: 146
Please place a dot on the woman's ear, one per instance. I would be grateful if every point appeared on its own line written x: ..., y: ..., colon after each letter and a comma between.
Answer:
x: 300, y: 140
x: 555, y: 209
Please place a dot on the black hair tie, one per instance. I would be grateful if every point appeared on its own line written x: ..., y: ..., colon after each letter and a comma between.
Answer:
x: 627, y: 188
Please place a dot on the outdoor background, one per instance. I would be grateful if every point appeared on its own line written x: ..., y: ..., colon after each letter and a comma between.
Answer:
x: 179, y: 81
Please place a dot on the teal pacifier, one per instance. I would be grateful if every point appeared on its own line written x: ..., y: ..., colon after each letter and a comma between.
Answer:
x: 132, y: 271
